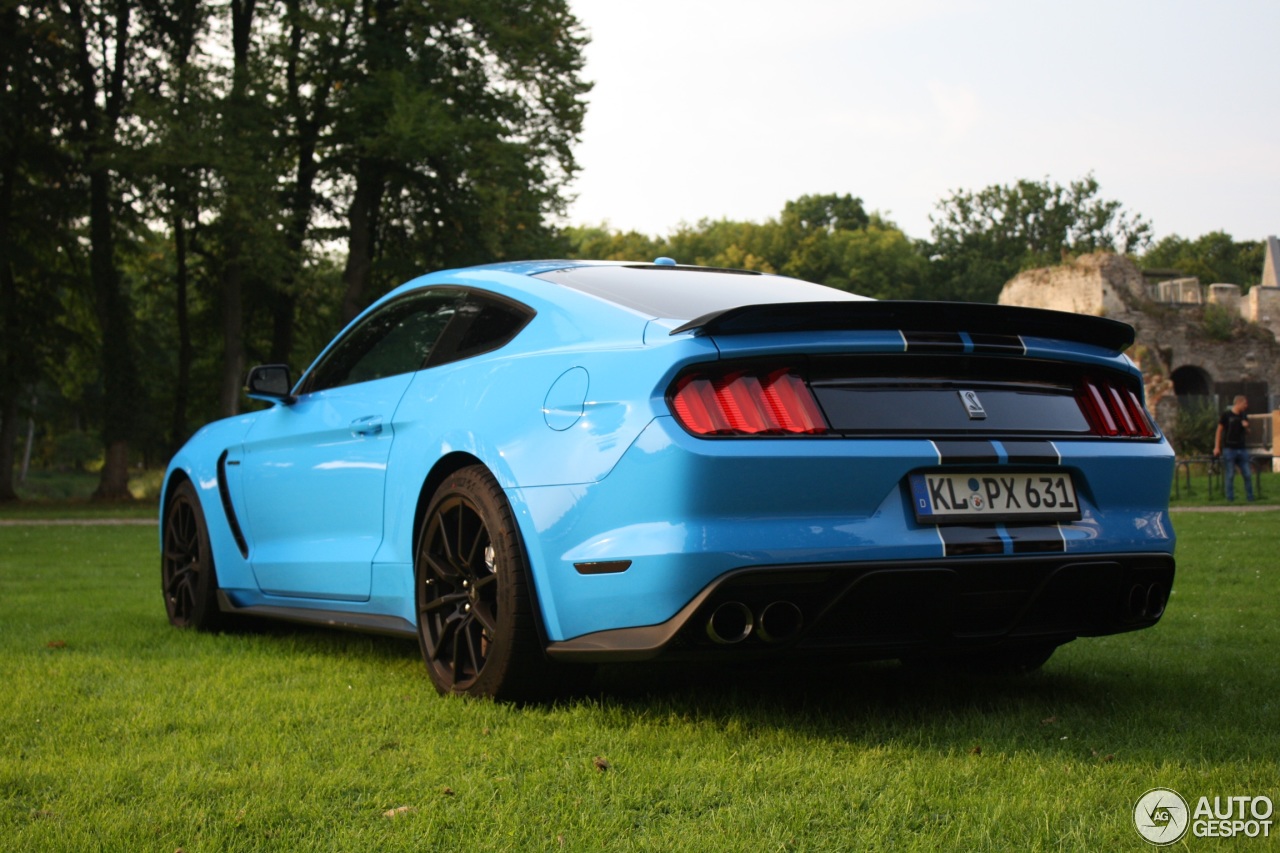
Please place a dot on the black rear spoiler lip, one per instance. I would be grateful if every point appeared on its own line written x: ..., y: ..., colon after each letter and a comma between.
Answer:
x: 913, y: 316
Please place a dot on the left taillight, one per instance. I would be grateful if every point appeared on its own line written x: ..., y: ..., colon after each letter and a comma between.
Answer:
x: 747, y: 402
x: 1112, y: 409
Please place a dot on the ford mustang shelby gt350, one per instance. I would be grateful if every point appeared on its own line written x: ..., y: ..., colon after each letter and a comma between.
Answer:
x: 533, y: 467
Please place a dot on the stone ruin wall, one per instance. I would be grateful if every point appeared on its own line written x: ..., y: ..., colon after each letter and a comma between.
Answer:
x: 1101, y: 284
x: 1169, y: 336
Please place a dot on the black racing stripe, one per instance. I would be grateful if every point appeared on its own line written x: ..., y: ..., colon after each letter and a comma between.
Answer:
x: 979, y: 452
x: 1030, y: 452
x: 960, y: 541
x: 1036, y: 539
x: 934, y: 341
x: 992, y: 343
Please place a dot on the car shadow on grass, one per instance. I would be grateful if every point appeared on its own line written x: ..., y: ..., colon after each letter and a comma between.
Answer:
x: 1088, y: 706
x: 1090, y: 713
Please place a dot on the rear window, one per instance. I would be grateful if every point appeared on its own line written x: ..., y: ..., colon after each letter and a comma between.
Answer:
x: 686, y: 293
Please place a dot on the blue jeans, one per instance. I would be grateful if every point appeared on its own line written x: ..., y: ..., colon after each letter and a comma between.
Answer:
x: 1233, y: 458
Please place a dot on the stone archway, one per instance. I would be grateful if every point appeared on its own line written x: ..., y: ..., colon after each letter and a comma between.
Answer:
x: 1192, y: 384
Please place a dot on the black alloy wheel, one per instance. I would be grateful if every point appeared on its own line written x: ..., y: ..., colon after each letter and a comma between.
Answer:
x: 476, y: 621
x: 187, y: 576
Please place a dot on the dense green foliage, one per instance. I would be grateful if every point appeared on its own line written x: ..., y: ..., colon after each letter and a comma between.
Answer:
x: 1192, y: 433
x: 1215, y: 257
x: 829, y: 239
x: 187, y: 187
x: 118, y: 732
x: 982, y: 239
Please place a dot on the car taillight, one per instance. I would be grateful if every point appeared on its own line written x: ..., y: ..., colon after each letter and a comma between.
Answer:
x: 744, y: 402
x: 1113, y: 409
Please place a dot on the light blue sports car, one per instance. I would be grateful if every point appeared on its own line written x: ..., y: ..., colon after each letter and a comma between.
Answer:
x: 535, y: 467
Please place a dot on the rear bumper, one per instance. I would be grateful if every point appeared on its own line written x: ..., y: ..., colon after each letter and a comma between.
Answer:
x: 677, y: 516
x: 868, y: 611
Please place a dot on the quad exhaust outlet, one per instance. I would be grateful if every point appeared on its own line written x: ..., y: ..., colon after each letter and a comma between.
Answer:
x: 1147, y: 601
x: 733, y: 622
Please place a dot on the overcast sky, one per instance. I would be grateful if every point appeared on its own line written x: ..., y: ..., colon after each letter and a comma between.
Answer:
x: 729, y: 108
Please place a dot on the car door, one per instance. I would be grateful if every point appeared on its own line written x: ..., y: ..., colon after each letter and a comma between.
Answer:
x: 313, y: 472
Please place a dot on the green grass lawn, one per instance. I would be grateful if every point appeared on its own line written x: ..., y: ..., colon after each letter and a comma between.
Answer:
x: 118, y: 732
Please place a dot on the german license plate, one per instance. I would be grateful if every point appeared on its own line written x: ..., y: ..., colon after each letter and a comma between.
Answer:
x: 993, y: 496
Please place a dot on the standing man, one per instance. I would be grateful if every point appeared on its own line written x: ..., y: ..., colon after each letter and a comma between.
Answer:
x: 1229, y: 444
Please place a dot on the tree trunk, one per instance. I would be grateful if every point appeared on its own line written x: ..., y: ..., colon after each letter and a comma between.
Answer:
x: 8, y: 379
x: 362, y: 220
x: 26, y: 450
x: 11, y: 347
x: 114, y: 485
x: 178, y: 426
x: 232, y: 333
x: 121, y: 398
x: 8, y: 438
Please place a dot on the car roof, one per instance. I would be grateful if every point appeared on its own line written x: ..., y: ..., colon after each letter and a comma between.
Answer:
x: 672, y: 291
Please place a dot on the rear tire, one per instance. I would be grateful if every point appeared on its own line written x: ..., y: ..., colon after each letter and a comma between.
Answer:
x: 477, y: 624
x: 187, y: 574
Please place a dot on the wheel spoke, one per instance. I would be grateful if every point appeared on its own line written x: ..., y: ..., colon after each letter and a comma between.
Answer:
x: 184, y: 596
x: 486, y: 618
x: 444, y: 602
x: 440, y: 569
x: 475, y: 656
x: 447, y: 630
x: 471, y: 561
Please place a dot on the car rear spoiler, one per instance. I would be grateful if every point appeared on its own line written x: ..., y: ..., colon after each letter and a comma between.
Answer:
x: 913, y: 316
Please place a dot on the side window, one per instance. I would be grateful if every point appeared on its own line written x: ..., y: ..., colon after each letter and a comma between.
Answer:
x: 484, y: 323
x: 396, y: 339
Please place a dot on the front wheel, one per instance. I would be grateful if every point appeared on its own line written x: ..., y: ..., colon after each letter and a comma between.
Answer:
x: 187, y: 576
x: 476, y: 620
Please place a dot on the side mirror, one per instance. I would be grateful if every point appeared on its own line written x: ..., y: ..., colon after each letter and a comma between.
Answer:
x: 270, y: 382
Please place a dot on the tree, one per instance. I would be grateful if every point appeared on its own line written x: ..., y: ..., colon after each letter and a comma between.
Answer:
x: 454, y: 134
x: 1213, y: 257
x: 828, y: 212
x: 38, y: 211
x: 829, y: 239
x: 599, y: 243
x: 183, y: 171
x: 982, y: 239
x: 880, y: 261
x: 175, y: 105
x: 99, y: 36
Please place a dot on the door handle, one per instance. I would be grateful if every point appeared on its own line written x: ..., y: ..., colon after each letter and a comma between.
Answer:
x: 369, y: 425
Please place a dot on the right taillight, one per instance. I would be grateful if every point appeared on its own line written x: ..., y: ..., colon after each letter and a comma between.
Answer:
x: 1113, y: 409
x: 747, y: 402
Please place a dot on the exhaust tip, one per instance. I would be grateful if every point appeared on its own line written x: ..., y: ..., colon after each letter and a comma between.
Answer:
x: 1137, y: 601
x: 730, y: 623
x: 1157, y: 598
x: 779, y: 622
